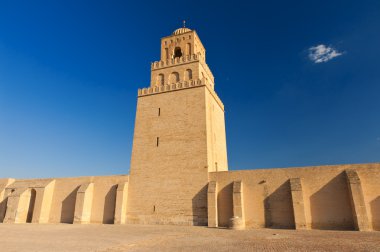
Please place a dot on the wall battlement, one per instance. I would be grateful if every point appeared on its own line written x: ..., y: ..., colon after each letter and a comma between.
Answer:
x: 158, y: 65
x: 178, y: 86
x: 174, y: 62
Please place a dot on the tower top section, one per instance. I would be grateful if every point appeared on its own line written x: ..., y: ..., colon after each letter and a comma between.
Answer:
x: 185, y: 39
x: 181, y: 30
x: 183, y: 58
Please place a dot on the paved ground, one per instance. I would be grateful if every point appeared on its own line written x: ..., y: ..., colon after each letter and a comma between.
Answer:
x: 116, y: 238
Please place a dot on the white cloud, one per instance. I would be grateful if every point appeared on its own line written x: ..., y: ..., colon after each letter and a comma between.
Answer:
x: 322, y: 53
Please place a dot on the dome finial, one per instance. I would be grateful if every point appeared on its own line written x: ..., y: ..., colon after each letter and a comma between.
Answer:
x: 182, y: 29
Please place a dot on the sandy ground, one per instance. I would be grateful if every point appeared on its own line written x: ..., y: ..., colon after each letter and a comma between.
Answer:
x: 116, y: 238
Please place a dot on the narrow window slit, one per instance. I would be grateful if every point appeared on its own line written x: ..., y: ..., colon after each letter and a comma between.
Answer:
x: 159, y: 111
x: 158, y: 141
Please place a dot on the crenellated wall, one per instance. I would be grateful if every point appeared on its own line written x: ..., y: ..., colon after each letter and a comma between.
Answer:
x: 180, y: 86
x: 194, y: 62
x: 342, y: 197
x: 174, y: 62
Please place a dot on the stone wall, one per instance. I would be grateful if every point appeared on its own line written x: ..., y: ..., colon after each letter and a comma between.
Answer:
x: 341, y: 197
x: 64, y: 200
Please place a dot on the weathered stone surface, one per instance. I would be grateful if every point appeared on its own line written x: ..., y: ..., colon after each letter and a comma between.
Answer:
x: 4, y: 196
x: 212, y: 204
x: 298, y: 203
x: 359, y: 210
x: 121, y: 203
x: 238, y: 219
x: 83, y: 203
x: 269, y: 200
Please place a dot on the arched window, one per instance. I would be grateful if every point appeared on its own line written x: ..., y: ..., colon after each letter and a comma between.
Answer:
x: 174, y: 77
x: 188, y: 49
x: 188, y: 74
x: 160, y: 79
x: 177, y: 52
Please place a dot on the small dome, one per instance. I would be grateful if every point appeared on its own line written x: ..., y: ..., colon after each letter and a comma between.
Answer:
x: 181, y: 30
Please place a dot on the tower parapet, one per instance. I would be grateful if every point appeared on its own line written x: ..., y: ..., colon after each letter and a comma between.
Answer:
x: 179, y: 86
x: 193, y: 58
x: 171, y: 62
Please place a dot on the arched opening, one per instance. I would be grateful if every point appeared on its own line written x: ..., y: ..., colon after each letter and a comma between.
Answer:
x: 31, y: 205
x: 188, y: 74
x: 160, y: 79
x: 188, y: 49
x: 174, y: 77
x: 177, y: 52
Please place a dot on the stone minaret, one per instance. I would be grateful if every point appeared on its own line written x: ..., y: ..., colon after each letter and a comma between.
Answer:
x: 179, y: 136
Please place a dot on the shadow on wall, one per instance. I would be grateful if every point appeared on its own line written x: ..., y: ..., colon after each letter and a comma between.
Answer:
x: 3, y: 209
x: 109, y: 206
x: 32, y: 203
x: 279, y: 209
x: 331, y: 207
x: 68, y: 207
x: 199, y: 205
x: 375, y: 210
x: 225, y: 207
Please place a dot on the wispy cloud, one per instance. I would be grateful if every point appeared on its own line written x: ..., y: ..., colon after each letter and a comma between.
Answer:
x: 322, y: 53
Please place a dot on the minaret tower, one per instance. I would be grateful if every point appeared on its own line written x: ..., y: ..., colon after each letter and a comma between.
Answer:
x: 179, y: 136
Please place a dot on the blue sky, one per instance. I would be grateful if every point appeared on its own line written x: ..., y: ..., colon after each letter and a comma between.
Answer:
x: 300, y: 80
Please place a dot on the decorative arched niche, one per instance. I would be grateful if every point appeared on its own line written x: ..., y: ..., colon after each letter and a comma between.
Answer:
x: 188, y: 75
x: 174, y: 77
x: 160, y: 80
